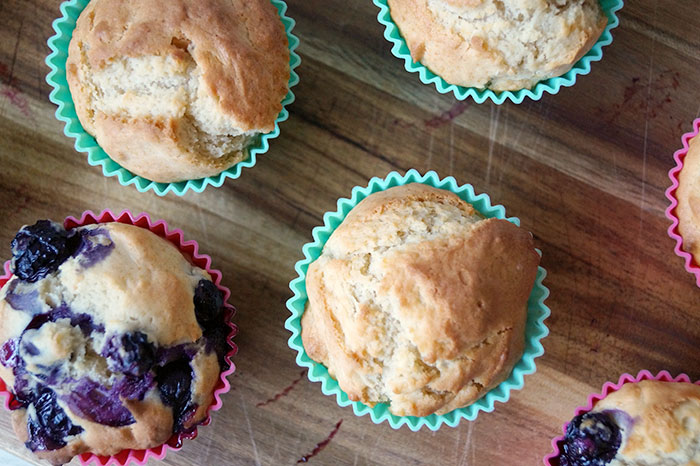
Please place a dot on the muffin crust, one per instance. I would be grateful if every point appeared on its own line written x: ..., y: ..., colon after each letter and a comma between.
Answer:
x: 498, y: 44
x: 179, y: 92
x: 419, y: 302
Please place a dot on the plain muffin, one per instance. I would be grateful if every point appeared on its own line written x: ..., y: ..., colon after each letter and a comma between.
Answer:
x: 178, y: 90
x: 498, y: 44
x: 418, y: 301
x: 110, y: 339
x: 649, y: 423
x: 688, y: 197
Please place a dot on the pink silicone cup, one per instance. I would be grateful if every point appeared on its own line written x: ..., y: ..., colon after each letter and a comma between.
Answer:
x: 690, y: 264
x: 664, y: 376
x: 191, y: 250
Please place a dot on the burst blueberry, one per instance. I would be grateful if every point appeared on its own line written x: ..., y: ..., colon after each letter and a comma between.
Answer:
x: 167, y: 354
x: 94, y: 247
x: 98, y: 403
x: 28, y: 301
x: 216, y: 341
x: 129, y: 353
x: 134, y: 388
x: 23, y: 393
x: 9, y: 353
x: 49, y: 426
x: 208, y: 303
x: 592, y: 439
x: 40, y: 249
x: 174, y: 383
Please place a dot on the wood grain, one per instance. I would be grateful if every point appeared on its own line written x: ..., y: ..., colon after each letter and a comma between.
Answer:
x: 585, y: 171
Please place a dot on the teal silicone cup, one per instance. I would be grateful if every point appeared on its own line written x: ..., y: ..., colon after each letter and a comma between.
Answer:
x: 551, y: 85
x: 534, y: 332
x: 84, y: 142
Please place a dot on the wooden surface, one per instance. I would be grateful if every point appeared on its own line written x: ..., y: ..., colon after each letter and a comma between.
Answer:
x: 585, y: 170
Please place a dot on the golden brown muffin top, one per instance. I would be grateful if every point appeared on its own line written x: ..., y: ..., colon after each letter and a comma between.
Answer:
x: 419, y: 301
x: 239, y: 46
x: 498, y: 44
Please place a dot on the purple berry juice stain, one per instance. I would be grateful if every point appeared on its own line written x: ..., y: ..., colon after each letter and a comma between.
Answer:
x: 321, y: 445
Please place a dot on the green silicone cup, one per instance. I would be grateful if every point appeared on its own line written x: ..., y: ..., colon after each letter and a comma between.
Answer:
x: 551, y: 85
x: 535, y: 329
x: 84, y: 142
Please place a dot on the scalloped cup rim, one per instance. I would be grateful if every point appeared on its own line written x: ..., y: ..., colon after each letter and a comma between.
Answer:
x: 84, y: 142
x: 536, y: 330
x: 679, y: 156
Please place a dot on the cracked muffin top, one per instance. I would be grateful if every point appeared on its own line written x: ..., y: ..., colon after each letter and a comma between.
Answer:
x: 110, y: 339
x: 418, y: 301
x: 498, y: 44
x: 178, y: 90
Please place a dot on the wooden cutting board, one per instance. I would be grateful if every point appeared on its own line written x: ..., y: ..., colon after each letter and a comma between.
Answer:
x: 585, y: 170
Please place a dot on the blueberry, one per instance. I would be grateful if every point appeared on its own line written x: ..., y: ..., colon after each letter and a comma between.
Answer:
x: 97, y: 403
x: 208, y: 307
x: 174, y: 382
x: 38, y: 320
x: 82, y: 321
x: 24, y: 394
x: 168, y: 354
x: 28, y: 302
x: 208, y: 303
x: 592, y: 439
x: 49, y: 425
x: 92, y: 252
x: 40, y: 249
x: 134, y: 388
x: 129, y: 353
x: 9, y: 353
x: 30, y: 348
x: 216, y: 341
x: 85, y: 324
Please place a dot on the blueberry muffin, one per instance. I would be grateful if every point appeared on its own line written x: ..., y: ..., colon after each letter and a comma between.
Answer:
x: 649, y: 423
x: 418, y: 301
x: 498, y: 44
x: 110, y: 339
x: 688, y: 196
x: 178, y: 90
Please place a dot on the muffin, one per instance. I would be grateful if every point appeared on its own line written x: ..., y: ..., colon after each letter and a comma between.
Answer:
x: 498, y: 44
x: 178, y: 91
x: 419, y: 302
x: 111, y: 339
x: 688, y: 196
x: 649, y: 423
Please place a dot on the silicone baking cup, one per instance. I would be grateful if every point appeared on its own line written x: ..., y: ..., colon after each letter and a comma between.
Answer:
x: 664, y: 376
x: 84, y: 142
x: 690, y: 264
x: 190, y: 249
x: 551, y: 85
x: 535, y: 328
